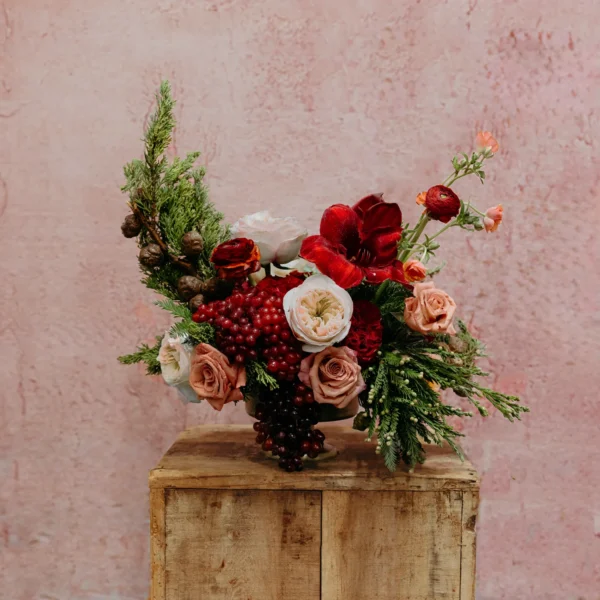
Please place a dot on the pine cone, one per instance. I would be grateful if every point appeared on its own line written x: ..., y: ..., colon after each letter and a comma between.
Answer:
x: 216, y: 289
x: 196, y: 302
x: 131, y: 226
x: 151, y: 255
x: 188, y: 287
x: 192, y: 243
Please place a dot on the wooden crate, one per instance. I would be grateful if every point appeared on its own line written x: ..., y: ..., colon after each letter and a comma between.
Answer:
x: 226, y: 523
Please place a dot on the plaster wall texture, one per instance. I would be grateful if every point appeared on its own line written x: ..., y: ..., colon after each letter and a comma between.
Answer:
x: 296, y: 105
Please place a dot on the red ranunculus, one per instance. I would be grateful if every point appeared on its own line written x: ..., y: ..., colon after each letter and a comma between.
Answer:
x: 280, y: 285
x: 442, y: 203
x: 358, y: 242
x: 366, y: 331
x: 236, y: 259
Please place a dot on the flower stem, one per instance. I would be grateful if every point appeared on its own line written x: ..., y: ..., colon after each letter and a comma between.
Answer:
x: 415, y: 236
x: 381, y: 289
x: 414, y: 249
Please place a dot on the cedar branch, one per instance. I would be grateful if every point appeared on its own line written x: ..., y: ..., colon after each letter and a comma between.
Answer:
x: 155, y: 235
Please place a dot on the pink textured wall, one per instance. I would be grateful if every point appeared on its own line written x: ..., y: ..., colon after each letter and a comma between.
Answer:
x: 296, y: 105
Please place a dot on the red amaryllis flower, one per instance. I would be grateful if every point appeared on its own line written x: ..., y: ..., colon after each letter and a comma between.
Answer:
x: 280, y: 285
x: 236, y: 258
x: 442, y: 203
x: 358, y: 242
x: 366, y: 331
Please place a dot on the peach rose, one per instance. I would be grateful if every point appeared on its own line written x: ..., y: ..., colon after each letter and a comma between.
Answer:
x: 214, y: 378
x: 333, y: 375
x: 414, y: 270
x: 485, y: 140
x: 430, y: 311
x: 493, y: 218
x: 421, y: 198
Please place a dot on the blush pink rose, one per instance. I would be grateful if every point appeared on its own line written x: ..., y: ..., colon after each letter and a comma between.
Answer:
x: 430, y: 310
x: 214, y: 378
x: 333, y: 375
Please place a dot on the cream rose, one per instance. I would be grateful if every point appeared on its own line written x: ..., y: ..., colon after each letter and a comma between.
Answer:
x: 333, y: 375
x: 318, y: 312
x: 279, y: 239
x: 430, y: 311
x: 214, y: 378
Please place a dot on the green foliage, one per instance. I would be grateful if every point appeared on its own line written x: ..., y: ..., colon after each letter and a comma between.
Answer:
x: 173, y: 199
x: 147, y: 354
x: 403, y: 405
x: 258, y: 378
x: 466, y: 219
x: 463, y: 164
x: 186, y: 328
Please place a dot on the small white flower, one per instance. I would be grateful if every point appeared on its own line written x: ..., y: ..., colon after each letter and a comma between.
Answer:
x: 318, y: 312
x: 279, y: 239
x: 174, y: 359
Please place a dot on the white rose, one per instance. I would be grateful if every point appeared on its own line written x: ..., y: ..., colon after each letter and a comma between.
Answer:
x: 174, y: 359
x: 279, y: 240
x: 187, y: 393
x: 301, y: 265
x: 318, y: 312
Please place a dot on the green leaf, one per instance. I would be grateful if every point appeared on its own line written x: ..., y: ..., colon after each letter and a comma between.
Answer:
x: 147, y: 354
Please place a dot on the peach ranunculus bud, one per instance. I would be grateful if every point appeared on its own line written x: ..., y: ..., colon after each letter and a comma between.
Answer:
x: 414, y: 270
x: 493, y: 218
x: 421, y: 198
x: 430, y: 310
x: 334, y: 376
x: 214, y: 378
x: 485, y: 140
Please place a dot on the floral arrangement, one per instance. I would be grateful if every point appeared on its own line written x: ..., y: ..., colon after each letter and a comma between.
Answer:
x: 346, y: 322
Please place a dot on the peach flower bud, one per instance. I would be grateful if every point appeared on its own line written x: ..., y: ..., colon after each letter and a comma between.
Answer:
x: 430, y: 310
x: 334, y: 376
x: 485, y: 140
x: 421, y: 198
x: 493, y: 218
x: 414, y: 270
x: 435, y: 386
x: 214, y: 378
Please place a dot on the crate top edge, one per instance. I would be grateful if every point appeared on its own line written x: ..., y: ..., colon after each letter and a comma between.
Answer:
x: 226, y: 457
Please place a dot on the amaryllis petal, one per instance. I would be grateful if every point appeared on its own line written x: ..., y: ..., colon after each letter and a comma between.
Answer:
x: 358, y: 241
x: 395, y: 272
x: 383, y: 247
x: 339, y: 225
x: 330, y: 261
x: 385, y: 216
x: 363, y: 205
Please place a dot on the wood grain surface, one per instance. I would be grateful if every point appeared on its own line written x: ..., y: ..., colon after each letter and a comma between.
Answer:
x: 391, y: 546
x: 227, y: 457
x: 242, y: 544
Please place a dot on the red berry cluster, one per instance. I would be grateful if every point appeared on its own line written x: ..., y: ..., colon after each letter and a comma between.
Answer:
x: 285, y: 426
x: 251, y: 323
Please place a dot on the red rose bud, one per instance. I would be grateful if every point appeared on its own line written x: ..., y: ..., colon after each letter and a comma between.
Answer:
x: 442, y: 203
x: 236, y: 259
